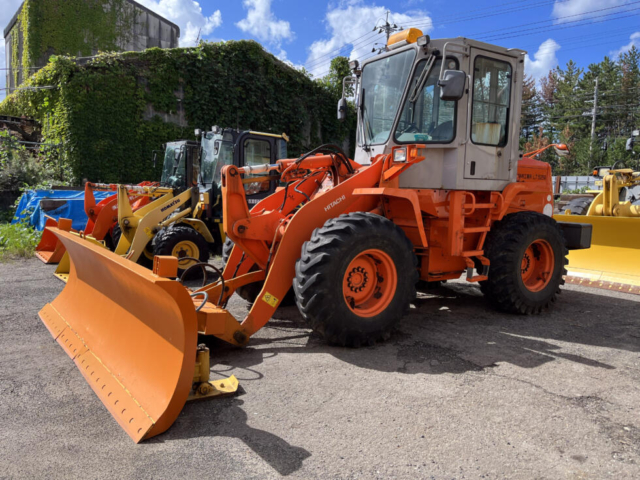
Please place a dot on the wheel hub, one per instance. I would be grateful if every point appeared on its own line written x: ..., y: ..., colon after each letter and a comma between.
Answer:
x: 369, y: 283
x: 526, y: 263
x: 537, y: 266
x: 185, y: 248
x: 357, y: 279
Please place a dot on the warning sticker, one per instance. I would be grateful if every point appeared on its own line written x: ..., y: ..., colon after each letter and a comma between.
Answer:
x: 270, y: 299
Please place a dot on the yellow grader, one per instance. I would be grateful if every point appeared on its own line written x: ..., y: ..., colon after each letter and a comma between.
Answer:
x: 613, y: 261
x: 437, y: 190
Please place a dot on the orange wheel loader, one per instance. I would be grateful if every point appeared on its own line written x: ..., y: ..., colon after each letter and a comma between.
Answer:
x: 102, y: 217
x: 437, y: 190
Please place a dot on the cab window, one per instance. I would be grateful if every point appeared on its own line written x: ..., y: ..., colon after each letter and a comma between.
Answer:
x: 491, y: 97
x: 256, y: 152
x: 425, y: 118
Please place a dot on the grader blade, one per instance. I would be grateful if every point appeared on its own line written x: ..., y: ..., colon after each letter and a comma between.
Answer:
x: 50, y: 249
x: 132, y: 335
x: 613, y: 261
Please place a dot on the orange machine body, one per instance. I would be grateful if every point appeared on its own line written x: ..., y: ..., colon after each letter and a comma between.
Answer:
x: 137, y: 348
x: 447, y: 228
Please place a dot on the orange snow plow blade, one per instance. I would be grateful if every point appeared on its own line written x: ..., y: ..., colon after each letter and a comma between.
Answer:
x: 132, y: 335
x: 50, y: 249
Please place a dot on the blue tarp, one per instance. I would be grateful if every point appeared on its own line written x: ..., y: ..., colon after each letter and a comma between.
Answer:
x: 73, y: 208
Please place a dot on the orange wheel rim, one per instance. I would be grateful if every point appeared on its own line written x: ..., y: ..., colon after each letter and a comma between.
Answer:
x: 369, y: 283
x: 537, y: 265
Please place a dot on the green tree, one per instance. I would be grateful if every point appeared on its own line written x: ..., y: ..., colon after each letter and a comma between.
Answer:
x: 333, y: 80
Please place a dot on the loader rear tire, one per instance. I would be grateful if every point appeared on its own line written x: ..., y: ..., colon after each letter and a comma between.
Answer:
x: 250, y: 292
x: 528, y: 256
x: 181, y: 241
x: 355, y: 279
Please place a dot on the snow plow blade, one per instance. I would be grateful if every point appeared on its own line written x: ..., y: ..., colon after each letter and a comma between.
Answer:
x: 50, y: 249
x: 132, y: 335
x: 613, y: 261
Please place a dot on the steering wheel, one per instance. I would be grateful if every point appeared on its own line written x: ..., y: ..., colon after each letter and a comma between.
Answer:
x: 411, y: 128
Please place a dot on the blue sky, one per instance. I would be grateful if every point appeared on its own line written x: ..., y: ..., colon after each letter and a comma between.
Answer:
x: 310, y: 33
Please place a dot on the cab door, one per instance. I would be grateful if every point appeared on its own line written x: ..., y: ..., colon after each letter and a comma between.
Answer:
x: 489, y: 149
x: 257, y: 150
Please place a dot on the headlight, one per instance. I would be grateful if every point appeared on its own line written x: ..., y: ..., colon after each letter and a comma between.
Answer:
x: 400, y: 155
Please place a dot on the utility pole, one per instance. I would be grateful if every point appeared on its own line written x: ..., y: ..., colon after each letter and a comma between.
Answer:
x: 593, y: 122
x: 388, y: 29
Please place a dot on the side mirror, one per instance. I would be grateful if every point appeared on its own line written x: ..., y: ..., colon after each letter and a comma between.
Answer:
x: 342, y: 109
x: 452, y: 85
x: 561, y: 150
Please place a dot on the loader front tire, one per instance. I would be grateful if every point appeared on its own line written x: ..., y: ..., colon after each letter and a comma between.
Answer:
x: 145, y: 259
x: 181, y: 241
x: 528, y: 256
x: 355, y: 279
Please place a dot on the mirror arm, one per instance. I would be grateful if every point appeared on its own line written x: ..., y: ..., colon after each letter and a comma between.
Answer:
x: 444, y: 55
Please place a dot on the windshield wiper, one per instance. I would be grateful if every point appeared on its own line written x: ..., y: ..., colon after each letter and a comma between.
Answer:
x: 363, y: 112
x: 422, y: 79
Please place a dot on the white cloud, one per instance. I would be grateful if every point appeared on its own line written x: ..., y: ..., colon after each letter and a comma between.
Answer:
x: 564, y: 8
x: 348, y: 22
x: 282, y: 55
x: 187, y: 14
x: 634, y: 40
x: 545, y: 59
x: 263, y: 24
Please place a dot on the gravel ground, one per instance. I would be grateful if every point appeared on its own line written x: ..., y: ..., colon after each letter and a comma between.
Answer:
x: 458, y: 392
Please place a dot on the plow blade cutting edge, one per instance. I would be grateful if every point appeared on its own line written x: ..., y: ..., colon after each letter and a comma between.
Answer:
x: 132, y: 335
x: 613, y: 261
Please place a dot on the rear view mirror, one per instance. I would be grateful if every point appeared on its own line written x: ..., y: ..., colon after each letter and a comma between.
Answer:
x: 342, y: 109
x: 452, y: 85
x: 561, y: 150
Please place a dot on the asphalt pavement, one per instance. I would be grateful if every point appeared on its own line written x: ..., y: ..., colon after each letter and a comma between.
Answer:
x: 458, y: 392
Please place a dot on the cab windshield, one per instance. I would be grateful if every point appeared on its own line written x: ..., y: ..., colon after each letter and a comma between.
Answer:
x: 425, y: 118
x: 174, y: 170
x: 217, y: 151
x: 383, y: 83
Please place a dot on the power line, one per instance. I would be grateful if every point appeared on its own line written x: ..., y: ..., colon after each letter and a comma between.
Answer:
x: 511, y: 31
x: 452, y: 16
x: 455, y: 19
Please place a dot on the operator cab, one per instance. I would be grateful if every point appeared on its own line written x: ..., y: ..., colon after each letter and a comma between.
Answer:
x: 465, y: 109
x: 181, y: 165
x: 228, y: 146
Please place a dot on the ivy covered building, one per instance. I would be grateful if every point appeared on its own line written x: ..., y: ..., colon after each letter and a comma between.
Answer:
x: 41, y: 28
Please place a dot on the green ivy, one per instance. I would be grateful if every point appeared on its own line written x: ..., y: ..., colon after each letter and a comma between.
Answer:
x: 109, y: 115
x: 69, y: 27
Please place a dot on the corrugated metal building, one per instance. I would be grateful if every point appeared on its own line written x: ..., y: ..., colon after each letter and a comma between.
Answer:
x: 143, y: 29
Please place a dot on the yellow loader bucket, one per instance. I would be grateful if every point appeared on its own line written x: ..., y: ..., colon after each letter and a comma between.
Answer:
x: 132, y: 335
x: 613, y: 261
